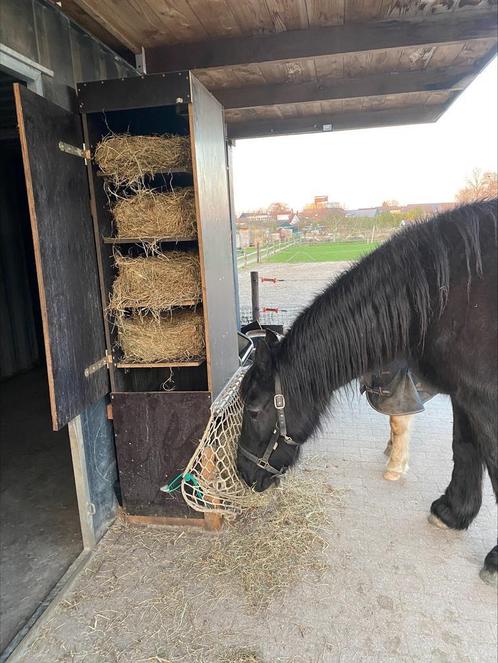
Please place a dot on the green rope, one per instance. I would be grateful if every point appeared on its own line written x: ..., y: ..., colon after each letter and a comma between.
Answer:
x: 175, y: 484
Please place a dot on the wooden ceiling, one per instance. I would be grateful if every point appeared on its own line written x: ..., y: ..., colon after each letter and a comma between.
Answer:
x: 291, y: 66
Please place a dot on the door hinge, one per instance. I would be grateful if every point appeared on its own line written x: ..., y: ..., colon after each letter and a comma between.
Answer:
x: 82, y: 152
x: 97, y: 365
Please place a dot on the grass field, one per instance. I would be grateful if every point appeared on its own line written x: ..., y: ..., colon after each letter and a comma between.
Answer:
x: 330, y: 252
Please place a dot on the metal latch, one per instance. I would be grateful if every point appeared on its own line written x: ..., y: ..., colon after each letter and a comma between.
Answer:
x: 90, y: 507
x: 97, y: 365
x: 83, y: 152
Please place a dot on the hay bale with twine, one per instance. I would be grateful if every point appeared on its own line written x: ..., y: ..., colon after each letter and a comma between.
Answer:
x: 156, y: 283
x: 177, y: 337
x: 128, y: 159
x: 151, y: 214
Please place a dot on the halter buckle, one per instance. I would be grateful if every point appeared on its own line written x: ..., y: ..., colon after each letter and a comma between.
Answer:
x: 279, y: 402
x: 263, y: 464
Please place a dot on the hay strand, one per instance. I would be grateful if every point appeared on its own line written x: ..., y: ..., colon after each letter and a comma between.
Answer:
x: 129, y: 159
x: 151, y: 215
x: 158, y: 282
x: 146, y: 338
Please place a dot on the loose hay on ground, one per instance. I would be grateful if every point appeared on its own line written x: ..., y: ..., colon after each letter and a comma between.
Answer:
x: 269, y: 548
x: 155, y: 594
x: 128, y: 159
x: 175, y: 337
x: 158, y: 282
x: 150, y: 214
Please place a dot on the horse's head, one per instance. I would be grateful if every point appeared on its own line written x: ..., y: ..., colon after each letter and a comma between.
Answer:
x: 266, y: 448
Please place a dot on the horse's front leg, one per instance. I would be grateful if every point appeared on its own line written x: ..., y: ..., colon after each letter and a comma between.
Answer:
x: 398, y: 446
x: 461, y: 501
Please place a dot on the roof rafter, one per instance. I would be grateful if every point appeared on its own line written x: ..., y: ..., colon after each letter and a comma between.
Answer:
x: 335, y: 122
x: 315, y: 42
x: 452, y: 78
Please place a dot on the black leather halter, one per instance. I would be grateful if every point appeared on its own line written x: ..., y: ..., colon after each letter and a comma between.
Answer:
x: 279, y: 434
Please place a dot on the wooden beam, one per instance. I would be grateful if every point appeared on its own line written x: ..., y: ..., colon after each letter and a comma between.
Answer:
x: 338, y: 122
x: 315, y: 42
x: 92, y: 10
x: 453, y: 78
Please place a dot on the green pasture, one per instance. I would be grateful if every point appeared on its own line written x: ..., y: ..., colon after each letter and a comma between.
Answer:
x: 327, y: 252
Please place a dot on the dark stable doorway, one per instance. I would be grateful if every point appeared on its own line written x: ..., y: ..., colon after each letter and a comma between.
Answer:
x: 40, y: 532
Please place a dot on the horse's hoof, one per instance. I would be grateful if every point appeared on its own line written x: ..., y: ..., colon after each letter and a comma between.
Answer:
x: 489, y: 577
x: 489, y: 572
x: 389, y: 475
x: 437, y: 522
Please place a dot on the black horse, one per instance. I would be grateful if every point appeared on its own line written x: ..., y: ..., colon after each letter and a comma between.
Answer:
x: 429, y: 295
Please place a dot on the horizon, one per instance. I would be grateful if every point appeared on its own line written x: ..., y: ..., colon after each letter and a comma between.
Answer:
x: 423, y: 164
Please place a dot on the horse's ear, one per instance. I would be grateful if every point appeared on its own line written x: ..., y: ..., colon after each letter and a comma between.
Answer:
x: 272, y: 337
x: 262, y: 357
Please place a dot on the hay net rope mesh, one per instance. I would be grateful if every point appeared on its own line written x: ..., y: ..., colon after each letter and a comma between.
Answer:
x: 210, y: 482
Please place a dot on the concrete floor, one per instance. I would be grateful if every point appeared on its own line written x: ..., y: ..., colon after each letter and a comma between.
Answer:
x: 39, y: 530
x: 395, y: 588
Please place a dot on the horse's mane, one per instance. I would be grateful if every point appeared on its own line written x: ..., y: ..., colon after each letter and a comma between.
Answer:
x: 381, y: 307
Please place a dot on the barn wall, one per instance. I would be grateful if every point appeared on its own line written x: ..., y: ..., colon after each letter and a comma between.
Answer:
x: 37, y: 30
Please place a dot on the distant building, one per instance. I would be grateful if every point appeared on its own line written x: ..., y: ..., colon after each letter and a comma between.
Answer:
x: 368, y: 212
x: 250, y: 218
x: 429, y: 208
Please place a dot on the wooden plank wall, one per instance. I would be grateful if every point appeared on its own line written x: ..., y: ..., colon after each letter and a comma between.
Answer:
x: 156, y: 435
x: 42, y: 33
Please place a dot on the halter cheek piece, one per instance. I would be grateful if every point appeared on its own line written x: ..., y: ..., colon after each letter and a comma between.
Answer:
x: 279, y: 433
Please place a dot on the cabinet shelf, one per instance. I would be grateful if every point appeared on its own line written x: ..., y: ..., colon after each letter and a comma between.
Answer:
x: 171, y: 171
x: 162, y: 364
x: 147, y: 240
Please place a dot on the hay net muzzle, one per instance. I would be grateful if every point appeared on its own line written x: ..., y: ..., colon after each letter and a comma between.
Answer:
x: 211, y: 483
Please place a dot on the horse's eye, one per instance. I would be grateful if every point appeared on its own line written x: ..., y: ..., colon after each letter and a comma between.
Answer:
x: 253, y: 413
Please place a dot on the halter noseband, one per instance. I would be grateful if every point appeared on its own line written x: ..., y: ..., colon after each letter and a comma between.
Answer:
x: 279, y: 432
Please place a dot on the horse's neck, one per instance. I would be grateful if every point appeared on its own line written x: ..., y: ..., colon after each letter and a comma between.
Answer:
x: 360, y: 322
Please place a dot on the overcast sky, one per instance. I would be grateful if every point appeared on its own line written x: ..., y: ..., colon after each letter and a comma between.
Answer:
x: 412, y: 164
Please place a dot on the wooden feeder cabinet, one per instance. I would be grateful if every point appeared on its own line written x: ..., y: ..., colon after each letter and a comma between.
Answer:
x: 156, y: 431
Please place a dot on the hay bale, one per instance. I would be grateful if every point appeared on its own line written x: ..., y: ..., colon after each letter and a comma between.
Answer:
x: 176, y: 337
x: 128, y: 159
x: 158, y: 282
x: 150, y: 214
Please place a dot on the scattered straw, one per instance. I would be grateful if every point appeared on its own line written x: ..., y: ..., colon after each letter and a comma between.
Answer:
x: 177, y: 337
x: 269, y: 548
x: 128, y: 159
x: 167, y: 595
x: 158, y: 282
x: 149, y: 214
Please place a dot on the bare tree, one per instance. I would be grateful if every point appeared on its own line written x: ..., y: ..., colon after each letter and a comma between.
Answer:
x: 479, y: 186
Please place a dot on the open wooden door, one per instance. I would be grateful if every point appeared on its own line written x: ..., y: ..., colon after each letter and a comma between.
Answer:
x: 64, y: 246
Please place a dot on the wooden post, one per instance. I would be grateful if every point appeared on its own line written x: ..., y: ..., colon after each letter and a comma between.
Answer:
x: 258, y: 256
x: 372, y: 235
x: 255, y: 296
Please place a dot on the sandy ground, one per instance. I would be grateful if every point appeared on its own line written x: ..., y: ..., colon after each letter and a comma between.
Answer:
x: 394, y: 588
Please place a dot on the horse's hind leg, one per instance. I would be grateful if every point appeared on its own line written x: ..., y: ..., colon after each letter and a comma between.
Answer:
x: 398, y: 446
x: 461, y: 501
x: 489, y: 572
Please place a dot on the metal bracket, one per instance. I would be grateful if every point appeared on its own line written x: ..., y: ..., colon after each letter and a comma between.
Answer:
x: 83, y: 152
x: 97, y: 365
x: 90, y: 507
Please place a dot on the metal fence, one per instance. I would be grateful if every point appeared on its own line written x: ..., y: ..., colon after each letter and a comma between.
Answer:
x: 271, y: 315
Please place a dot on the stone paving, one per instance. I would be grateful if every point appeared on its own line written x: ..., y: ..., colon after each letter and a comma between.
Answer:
x: 411, y: 591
